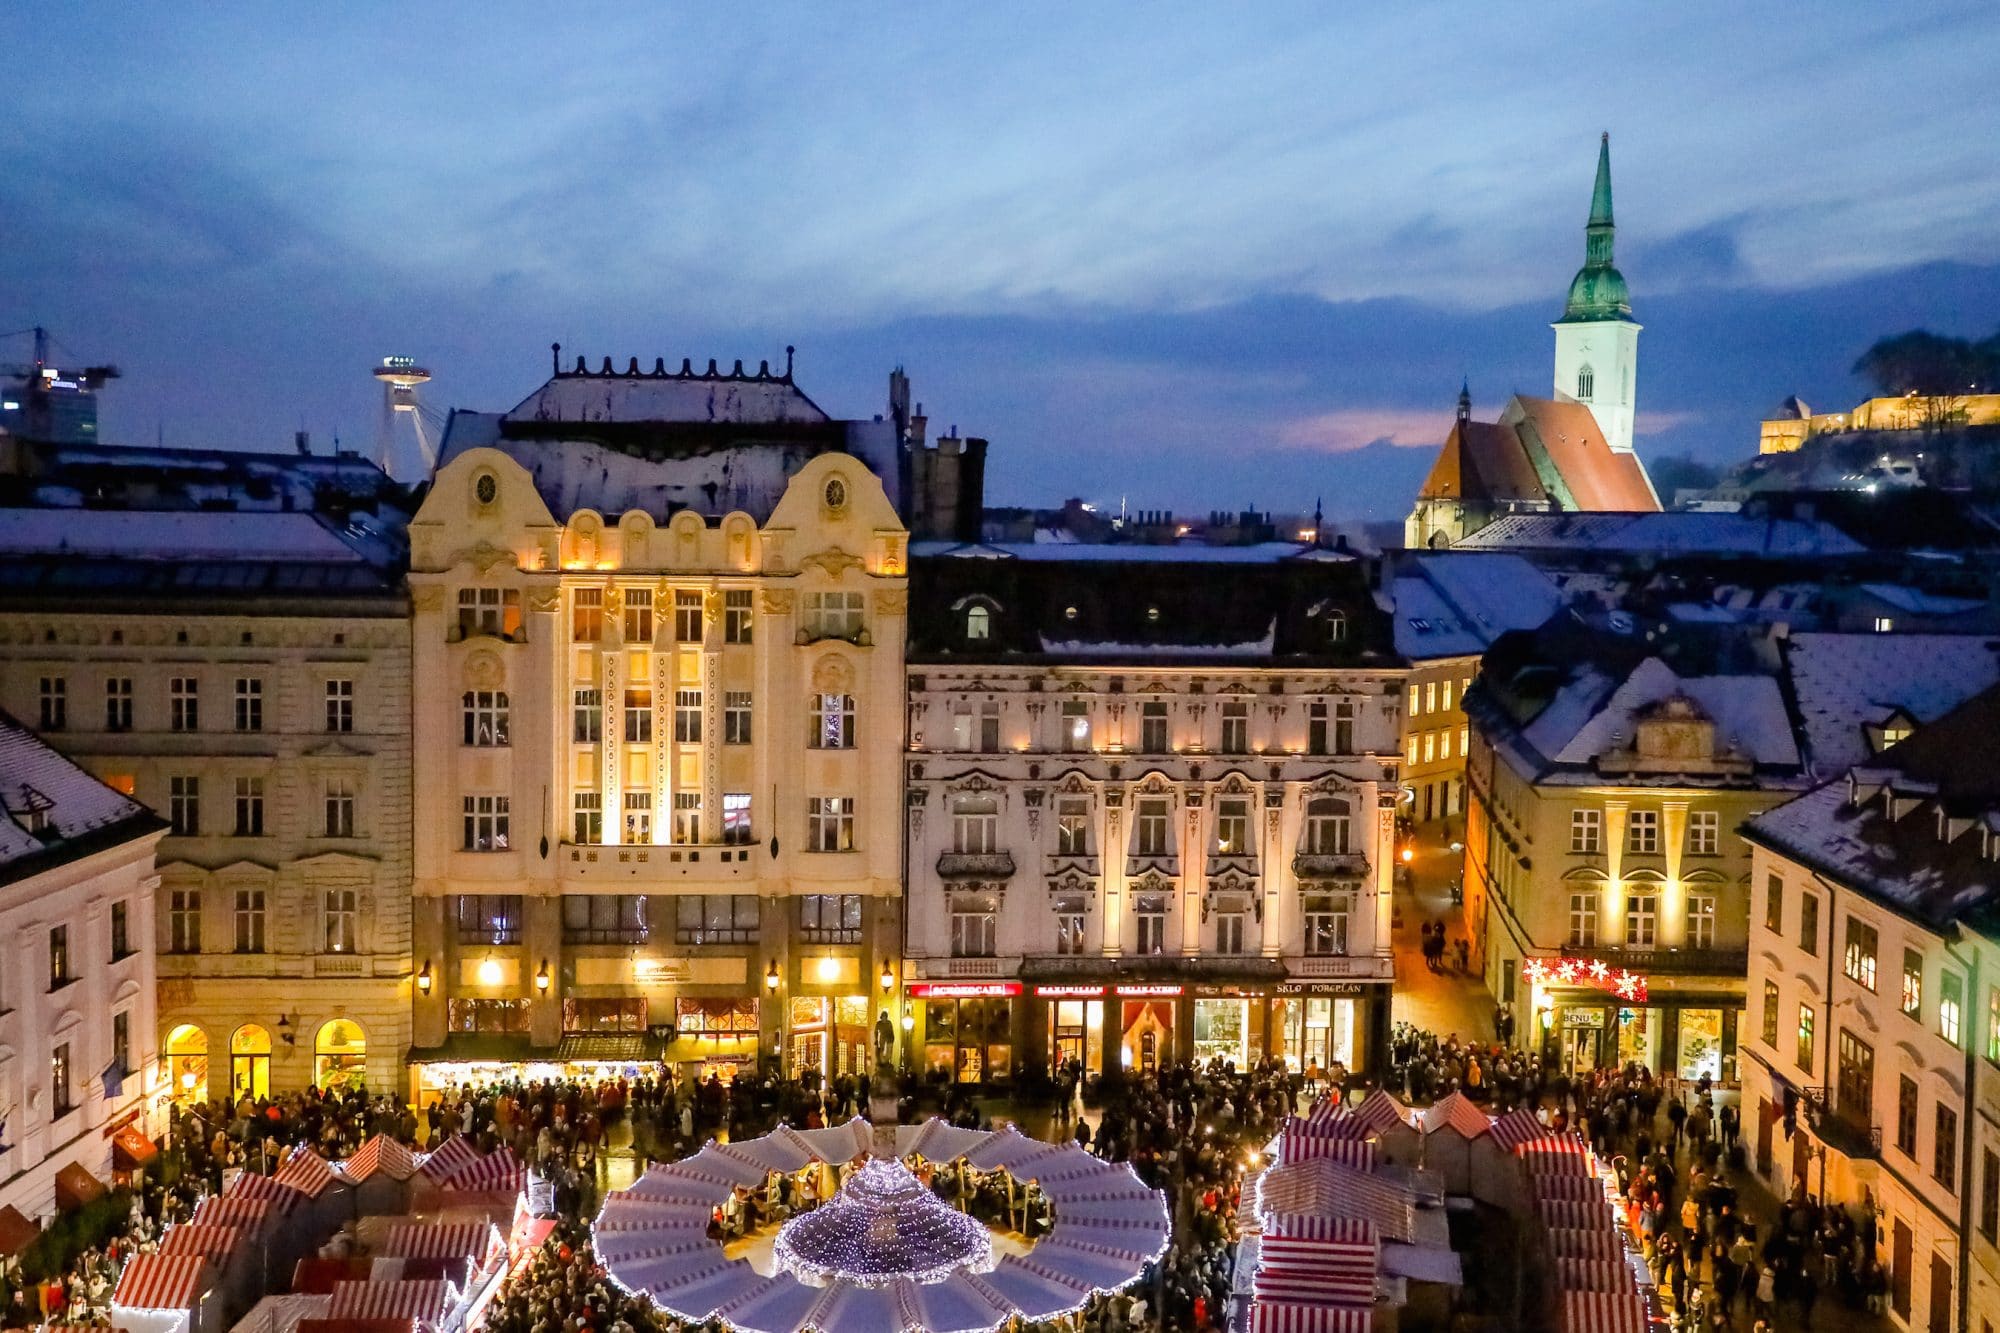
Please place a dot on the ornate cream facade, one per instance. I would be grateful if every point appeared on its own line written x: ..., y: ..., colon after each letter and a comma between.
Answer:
x: 657, y: 781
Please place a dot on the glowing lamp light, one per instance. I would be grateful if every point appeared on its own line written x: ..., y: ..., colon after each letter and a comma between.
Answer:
x: 424, y: 978
x: 829, y: 969
x: 542, y: 977
x: 187, y: 1081
x: 888, y: 978
x: 909, y: 1022
x: 489, y: 971
x: 1409, y: 855
x: 771, y: 977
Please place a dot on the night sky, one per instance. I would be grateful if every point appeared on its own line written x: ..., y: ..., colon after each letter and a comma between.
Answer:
x: 1186, y: 256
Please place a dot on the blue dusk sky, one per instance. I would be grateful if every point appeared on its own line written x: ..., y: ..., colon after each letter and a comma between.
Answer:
x: 1186, y: 256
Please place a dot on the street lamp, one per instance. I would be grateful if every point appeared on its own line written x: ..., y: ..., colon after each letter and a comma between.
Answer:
x: 888, y: 979
x: 771, y: 978
x: 542, y: 977
x: 424, y: 978
x: 829, y: 969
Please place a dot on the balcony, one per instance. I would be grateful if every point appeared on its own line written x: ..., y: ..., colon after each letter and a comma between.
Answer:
x: 1330, y: 865
x: 1661, y: 961
x: 1152, y: 967
x: 975, y: 865
x: 1847, y: 1134
x: 647, y: 864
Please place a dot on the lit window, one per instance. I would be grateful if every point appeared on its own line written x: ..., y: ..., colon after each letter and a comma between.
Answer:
x: 342, y: 913
x: 586, y: 616
x: 978, y: 623
x: 830, y: 824
x: 1586, y: 832
x: 1642, y: 832
x: 1704, y: 833
x: 832, y: 722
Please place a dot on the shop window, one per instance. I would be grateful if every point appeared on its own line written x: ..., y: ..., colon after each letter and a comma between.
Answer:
x: 716, y: 918
x: 601, y: 918
x: 830, y: 918
x: 715, y: 1018
x: 618, y: 1014
x: 340, y: 1057
x: 487, y: 1016
x: 488, y: 918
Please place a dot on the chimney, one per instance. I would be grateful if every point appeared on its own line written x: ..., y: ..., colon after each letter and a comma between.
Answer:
x: 302, y: 441
x: 919, y: 427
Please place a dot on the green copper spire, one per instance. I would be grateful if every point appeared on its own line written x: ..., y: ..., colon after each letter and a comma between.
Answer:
x: 1598, y: 291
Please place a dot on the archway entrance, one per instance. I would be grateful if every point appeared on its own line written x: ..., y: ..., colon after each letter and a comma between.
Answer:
x: 187, y: 1059
x: 340, y: 1057
x: 249, y: 1063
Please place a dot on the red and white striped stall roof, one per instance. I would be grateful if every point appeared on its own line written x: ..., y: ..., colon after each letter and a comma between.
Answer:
x: 307, y: 1172
x: 1517, y: 1127
x: 1380, y: 1111
x: 1580, y: 1213
x: 498, y: 1170
x: 1301, y: 1226
x: 208, y: 1240
x: 477, y: 1241
x: 1558, y: 1155
x: 1457, y: 1113
x: 1289, y: 1317
x: 1326, y: 1188
x: 1551, y: 1186
x: 447, y: 1157
x: 162, y: 1282
x: 1585, y: 1243
x: 1325, y: 1113
x: 1593, y: 1274
x: 1322, y: 1271
x: 1358, y: 1153
x: 380, y: 1155
x: 236, y: 1210
x: 1603, y: 1312
x: 427, y: 1300
x: 251, y: 1187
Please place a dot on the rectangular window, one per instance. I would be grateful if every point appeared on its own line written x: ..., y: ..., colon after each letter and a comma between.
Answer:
x: 1329, y: 830
x: 715, y: 918
x: 736, y: 819
x: 184, y: 804
x: 736, y: 717
x: 1232, y: 826
x: 342, y: 915
x: 638, y: 716
x: 1913, y: 984
x: 586, y: 615
x: 248, y: 921
x: 1076, y: 726
x: 1229, y: 932
x: 638, y: 615
x: 1444, y: 696
x: 830, y: 824
x: 1153, y: 727
x: 1444, y: 745
x: 1583, y: 920
x: 340, y: 705
x: 833, y: 615
x: 1430, y: 746
x: 1151, y: 825
x: 1704, y: 833
x: 1344, y: 713
x: 485, y: 717
x: 61, y: 1096
x: 830, y: 918
x: 687, y: 616
x: 1316, y: 738
x: 54, y: 696
x: 1069, y: 926
x: 1774, y: 904
x: 339, y: 807
x: 184, y: 703
x: 1235, y: 726
x: 1944, y: 1148
x: 637, y: 810
x: 1770, y: 1033
x: 1951, y: 995
x: 249, y: 807
x: 486, y: 820
x: 605, y: 918
x: 184, y: 921
x: 121, y: 1042
x: 687, y: 818
x: 586, y: 716
x: 1809, y: 923
x: 687, y: 717
x: 989, y: 726
x: 1642, y: 915
x: 249, y: 704
x: 488, y: 918
x: 587, y: 818
x: 121, y: 930
x: 59, y: 973
x: 1073, y: 826
x: 975, y: 825
x: 1906, y: 1115
x: 736, y: 616
x: 1586, y: 832
x: 495, y: 611
x: 832, y: 726
x: 1642, y: 832
x: 975, y: 926
x: 1989, y: 1195
x: 1855, y: 1079
x: 1149, y: 911
x: 1805, y: 1044
x: 1993, y: 1024
x: 1858, y: 964
x: 1326, y: 920
x: 118, y: 703
x: 1701, y: 921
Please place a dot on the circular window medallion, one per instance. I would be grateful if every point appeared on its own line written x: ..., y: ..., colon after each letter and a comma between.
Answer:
x: 836, y: 493
x: 486, y: 490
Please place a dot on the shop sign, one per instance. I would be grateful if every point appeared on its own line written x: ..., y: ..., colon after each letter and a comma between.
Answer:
x: 1070, y: 992
x: 1148, y: 992
x: 1231, y: 992
x: 1320, y: 988
x: 1583, y: 1018
x: 964, y: 990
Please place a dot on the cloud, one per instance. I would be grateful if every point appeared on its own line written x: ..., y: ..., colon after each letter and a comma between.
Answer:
x: 1705, y: 256
x: 1347, y: 429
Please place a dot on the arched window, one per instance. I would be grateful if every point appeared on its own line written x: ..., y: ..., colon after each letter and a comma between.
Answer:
x: 1336, y: 627
x: 340, y: 1056
x: 187, y: 1054
x: 1328, y: 828
x: 1586, y: 381
x: 249, y: 1063
x: 978, y: 624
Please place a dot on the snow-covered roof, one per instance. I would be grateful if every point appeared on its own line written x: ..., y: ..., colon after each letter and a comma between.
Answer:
x: 180, y: 534
x: 1455, y: 604
x: 1845, y: 683
x: 49, y: 806
x: 1593, y: 715
x: 1094, y: 648
x: 1180, y: 553
x: 1918, y: 602
x: 662, y: 397
x: 1667, y: 534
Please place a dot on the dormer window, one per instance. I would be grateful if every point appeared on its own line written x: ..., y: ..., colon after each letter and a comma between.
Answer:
x: 978, y: 624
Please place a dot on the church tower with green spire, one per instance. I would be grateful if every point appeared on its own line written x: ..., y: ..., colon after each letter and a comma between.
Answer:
x: 1597, y: 341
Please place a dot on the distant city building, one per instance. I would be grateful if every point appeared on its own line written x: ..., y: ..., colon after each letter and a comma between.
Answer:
x: 658, y: 724
x: 1151, y: 796
x: 1871, y: 1070
x: 45, y: 402
x: 225, y: 636
x: 76, y: 916
x: 1569, y: 453
x: 1795, y: 423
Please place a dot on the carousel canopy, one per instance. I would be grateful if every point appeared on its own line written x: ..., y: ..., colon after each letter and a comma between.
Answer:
x: 883, y: 1225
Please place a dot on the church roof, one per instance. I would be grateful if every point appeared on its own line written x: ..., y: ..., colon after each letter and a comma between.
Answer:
x: 1482, y: 460
x: 1540, y: 451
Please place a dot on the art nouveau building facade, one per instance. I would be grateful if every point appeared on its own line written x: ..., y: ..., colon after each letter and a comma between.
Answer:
x: 1150, y: 809
x: 658, y: 731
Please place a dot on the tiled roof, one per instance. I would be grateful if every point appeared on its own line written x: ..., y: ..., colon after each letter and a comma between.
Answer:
x: 1846, y: 683
x: 1674, y: 533
x: 1596, y: 476
x: 51, y: 811
x: 1454, y: 604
